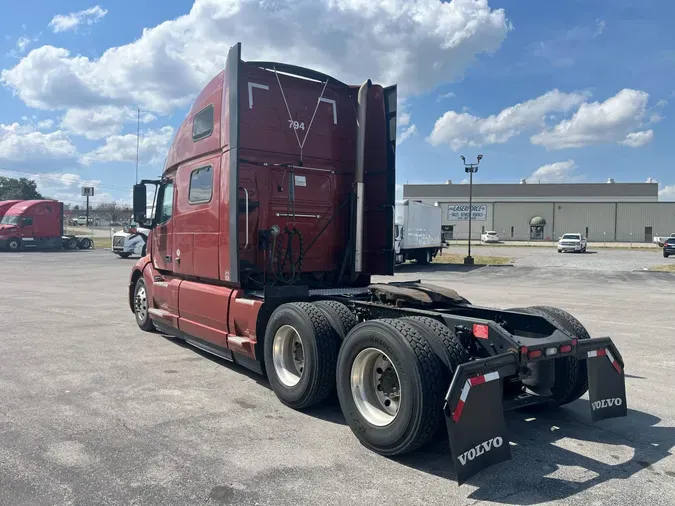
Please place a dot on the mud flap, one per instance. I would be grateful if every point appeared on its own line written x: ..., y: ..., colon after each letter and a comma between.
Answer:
x: 475, y: 417
x: 606, y: 382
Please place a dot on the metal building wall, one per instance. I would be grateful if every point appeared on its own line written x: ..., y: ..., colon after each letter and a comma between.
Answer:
x: 460, y: 229
x: 636, y: 220
x: 512, y: 219
x: 595, y: 221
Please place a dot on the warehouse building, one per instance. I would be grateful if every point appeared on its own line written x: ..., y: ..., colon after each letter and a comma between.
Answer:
x: 623, y: 212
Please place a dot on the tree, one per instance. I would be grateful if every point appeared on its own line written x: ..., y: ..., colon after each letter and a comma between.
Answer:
x: 18, y: 189
x: 112, y: 211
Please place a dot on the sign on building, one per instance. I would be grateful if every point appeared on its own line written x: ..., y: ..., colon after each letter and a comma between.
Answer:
x: 87, y: 191
x: 461, y: 213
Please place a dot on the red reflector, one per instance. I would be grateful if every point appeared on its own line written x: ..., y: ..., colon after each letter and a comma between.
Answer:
x: 534, y: 354
x: 565, y: 349
x: 574, y: 342
x: 523, y: 350
x: 480, y: 331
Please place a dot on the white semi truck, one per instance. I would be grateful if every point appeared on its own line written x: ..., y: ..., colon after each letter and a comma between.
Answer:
x: 418, y: 231
x: 132, y: 239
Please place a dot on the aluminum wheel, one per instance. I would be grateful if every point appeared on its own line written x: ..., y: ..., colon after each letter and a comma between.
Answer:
x: 288, y: 355
x: 141, y: 303
x: 376, y: 387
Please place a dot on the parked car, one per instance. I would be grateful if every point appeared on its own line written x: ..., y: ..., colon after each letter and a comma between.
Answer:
x: 489, y: 236
x: 669, y: 247
x: 662, y: 240
x: 572, y: 242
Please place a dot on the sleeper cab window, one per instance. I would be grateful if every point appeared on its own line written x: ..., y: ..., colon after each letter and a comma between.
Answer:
x: 201, y: 185
x: 202, y: 125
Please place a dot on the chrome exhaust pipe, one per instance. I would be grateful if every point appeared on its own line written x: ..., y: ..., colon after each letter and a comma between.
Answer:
x: 362, y: 100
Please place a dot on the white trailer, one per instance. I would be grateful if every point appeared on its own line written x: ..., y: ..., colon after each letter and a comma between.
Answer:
x: 418, y: 231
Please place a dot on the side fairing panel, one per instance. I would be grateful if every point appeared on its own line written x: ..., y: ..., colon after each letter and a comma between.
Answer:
x: 229, y: 179
x: 380, y: 181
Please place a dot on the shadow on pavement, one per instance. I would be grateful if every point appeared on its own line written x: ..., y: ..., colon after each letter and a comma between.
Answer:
x: 540, y: 465
x: 414, y: 268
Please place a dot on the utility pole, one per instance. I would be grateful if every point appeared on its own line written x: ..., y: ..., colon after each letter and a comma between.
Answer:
x: 138, y: 140
x: 470, y: 168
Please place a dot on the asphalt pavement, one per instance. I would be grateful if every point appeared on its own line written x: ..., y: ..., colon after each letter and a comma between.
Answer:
x: 97, y: 412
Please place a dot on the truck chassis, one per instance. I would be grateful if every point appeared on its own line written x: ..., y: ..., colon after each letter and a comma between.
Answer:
x: 406, y: 357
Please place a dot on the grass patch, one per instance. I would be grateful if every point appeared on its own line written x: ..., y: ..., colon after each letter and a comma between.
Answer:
x: 663, y: 268
x: 456, y: 258
x: 102, y: 242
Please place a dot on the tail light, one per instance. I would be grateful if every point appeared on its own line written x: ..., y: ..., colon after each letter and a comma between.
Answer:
x: 480, y: 331
x: 566, y: 348
x: 534, y: 354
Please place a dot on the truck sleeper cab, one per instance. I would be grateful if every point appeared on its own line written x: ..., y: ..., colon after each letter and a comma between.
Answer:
x: 275, y: 207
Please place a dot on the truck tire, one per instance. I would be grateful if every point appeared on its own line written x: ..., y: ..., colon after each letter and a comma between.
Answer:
x: 339, y: 316
x: 665, y: 255
x: 85, y: 243
x: 71, y: 243
x: 124, y: 255
x: 142, y: 306
x: 444, y: 342
x: 14, y: 244
x: 424, y: 257
x: 301, y: 349
x: 390, y: 386
x: 571, y: 374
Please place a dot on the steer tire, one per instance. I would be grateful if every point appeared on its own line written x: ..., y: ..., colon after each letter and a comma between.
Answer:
x: 420, y: 379
x: 142, y: 306
x: 319, y: 344
x: 339, y: 316
x: 571, y: 374
x: 14, y: 244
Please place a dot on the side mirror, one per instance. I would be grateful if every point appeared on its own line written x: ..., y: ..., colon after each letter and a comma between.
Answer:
x: 140, y: 203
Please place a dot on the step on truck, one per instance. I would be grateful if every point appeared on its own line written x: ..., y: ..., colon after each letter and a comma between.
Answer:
x: 274, y: 211
x: 37, y: 225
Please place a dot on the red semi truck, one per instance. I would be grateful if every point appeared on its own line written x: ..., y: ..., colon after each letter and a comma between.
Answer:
x: 275, y: 208
x: 5, y: 205
x: 37, y: 224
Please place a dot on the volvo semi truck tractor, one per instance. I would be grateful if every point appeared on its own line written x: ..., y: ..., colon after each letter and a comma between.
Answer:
x: 275, y: 210
x: 37, y: 224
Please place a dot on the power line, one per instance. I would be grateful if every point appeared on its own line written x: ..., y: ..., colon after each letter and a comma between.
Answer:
x: 54, y: 177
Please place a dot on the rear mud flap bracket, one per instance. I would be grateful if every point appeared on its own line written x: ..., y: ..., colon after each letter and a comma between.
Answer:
x: 474, y: 415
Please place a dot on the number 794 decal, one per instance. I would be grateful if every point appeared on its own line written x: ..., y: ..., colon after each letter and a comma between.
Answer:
x: 296, y: 125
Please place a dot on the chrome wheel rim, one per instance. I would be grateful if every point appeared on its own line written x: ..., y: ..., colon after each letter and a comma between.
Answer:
x: 141, y: 304
x: 288, y: 356
x: 376, y: 387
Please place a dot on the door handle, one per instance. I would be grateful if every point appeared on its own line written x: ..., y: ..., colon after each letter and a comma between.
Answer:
x: 246, y: 191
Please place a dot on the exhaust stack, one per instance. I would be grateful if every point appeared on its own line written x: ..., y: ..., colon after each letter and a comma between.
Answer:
x: 362, y: 100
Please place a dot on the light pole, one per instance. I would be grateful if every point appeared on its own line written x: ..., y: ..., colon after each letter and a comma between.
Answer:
x: 470, y: 168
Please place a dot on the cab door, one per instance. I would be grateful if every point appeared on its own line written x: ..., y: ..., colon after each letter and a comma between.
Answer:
x: 162, y: 241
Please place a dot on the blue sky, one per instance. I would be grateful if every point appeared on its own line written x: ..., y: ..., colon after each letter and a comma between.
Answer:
x: 550, y: 91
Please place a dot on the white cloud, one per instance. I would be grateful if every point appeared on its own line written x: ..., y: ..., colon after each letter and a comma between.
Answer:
x: 122, y: 148
x: 63, y: 186
x: 667, y: 192
x: 558, y: 172
x: 464, y: 129
x: 100, y: 122
x: 22, y: 44
x: 415, y: 43
x: 599, y: 26
x: 22, y: 143
x: 45, y: 124
x: 66, y: 22
x: 612, y: 121
x: 638, y: 139
x: 651, y: 180
x: 443, y: 96
x: 406, y: 134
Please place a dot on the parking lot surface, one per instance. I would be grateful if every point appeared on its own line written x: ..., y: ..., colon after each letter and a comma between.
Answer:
x: 95, y: 411
x: 596, y: 259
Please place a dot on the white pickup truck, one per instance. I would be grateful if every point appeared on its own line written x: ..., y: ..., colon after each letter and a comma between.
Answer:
x: 572, y: 242
x: 660, y: 240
